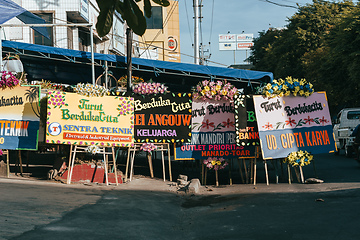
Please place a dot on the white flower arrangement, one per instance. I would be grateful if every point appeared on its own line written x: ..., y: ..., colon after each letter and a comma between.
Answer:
x: 90, y: 90
x: 93, y: 149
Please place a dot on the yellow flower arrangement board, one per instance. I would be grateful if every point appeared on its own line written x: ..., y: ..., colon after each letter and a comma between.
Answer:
x: 19, y: 117
x: 89, y: 120
x: 291, y: 124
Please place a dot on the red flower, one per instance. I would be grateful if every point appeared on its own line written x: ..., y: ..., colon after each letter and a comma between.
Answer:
x: 323, y: 120
x: 309, y: 120
x: 207, y: 124
x: 228, y: 123
x: 290, y: 122
x: 268, y: 126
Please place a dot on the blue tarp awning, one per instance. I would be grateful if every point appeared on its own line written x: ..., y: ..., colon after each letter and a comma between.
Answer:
x: 154, y: 64
x: 9, y: 10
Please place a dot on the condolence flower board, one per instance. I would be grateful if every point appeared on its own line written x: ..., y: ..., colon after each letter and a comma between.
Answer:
x: 83, y: 119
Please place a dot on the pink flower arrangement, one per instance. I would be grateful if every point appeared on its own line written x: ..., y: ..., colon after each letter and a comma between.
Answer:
x: 147, y: 88
x: 214, y: 90
x: 1, y: 152
x: 8, y: 80
x: 148, y: 147
x: 215, y: 163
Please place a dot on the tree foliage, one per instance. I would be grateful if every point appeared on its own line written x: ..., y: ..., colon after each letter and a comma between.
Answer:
x: 321, y: 43
x: 129, y: 11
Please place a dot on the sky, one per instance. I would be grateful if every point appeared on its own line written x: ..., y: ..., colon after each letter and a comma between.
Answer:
x: 234, y: 16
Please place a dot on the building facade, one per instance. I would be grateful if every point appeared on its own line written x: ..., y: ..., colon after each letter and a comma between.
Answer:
x: 76, y: 38
x: 161, y: 40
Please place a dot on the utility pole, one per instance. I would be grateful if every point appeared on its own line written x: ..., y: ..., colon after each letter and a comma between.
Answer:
x: 129, y: 58
x: 196, y: 32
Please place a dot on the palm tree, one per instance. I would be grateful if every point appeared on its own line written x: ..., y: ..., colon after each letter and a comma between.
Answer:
x: 32, y: 95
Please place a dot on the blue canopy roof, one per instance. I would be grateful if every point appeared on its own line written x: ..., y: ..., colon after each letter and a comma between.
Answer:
x: 154, y: 64
x: 9, y: 10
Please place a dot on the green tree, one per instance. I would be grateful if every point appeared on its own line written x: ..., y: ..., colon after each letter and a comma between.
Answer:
x: 309, y: 47
x: 128, y: 10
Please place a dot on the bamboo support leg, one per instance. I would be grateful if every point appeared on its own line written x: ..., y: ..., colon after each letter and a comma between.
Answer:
x: 150, y: 165
x: 72, y: 165
x: 217, y: 178
x: 251, y: 170
x: 127, y: 165
x: 170, y: 174
x: 255, y: 170
x: 297, y: 175
x: 115, y: 168
x: 266, y: 173
x: 230, y: 178
x: 106, y: 167
x: 301, y: 174
x: 163, y: 164
x: 68, y: 175
x: 289, y: 173
x: 132, y: 164
x: 7, y: 163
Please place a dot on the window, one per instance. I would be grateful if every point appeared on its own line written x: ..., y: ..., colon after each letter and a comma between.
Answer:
x: 40, y: 39
x: 156, y: 20
x: 353, y: 115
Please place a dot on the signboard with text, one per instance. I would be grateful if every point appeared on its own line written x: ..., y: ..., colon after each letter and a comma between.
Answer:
x: 289, y: 124
x: 19, y: 118
x: 212, y: 132
x: 163, y: 118
x: 247, y: 134
x: 233, y: 42
x: 81, y: 120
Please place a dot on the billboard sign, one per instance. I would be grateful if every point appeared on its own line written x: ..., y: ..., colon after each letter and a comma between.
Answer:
x: 163, y: 118
x: 212, y: 132
x: 81, y: 120
x: 289, y: 124
x: 19, y: 118
x: 227, y: 46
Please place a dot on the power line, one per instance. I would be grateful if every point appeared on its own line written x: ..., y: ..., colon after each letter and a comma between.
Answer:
x: 278, y: 4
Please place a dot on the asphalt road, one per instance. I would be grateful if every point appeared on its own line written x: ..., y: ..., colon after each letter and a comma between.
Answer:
x: 152, y: 209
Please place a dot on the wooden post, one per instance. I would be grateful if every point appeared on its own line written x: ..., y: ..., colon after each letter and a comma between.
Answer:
x: 132, y: 164
x: 266, y: 173
x: 72, y: 165
x: 289, y: 173
x: 230, y: 178
x: 127, y: 164
x: 105, y: 166
x: 150, y: 165
x: 115, y: 168
x: 163, y: 164
x: 7, y: 161
x: 217, y: 179
x: 168, y: 145
x: 68, y: 176
x: 301, y: 174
